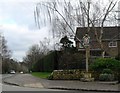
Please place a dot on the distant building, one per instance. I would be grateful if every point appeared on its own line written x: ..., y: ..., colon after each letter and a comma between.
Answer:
x: 110, y: 39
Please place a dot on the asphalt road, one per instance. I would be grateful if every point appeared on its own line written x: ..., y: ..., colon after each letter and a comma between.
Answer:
x: 6, y: 87
x: 16, y: 89
x: 6, y: 75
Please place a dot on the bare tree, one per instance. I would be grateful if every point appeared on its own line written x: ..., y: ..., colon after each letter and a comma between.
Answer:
x: 5, y: 52
x: 36, y: 52
x: 32, y: 55
x: 64, y: 16
x: 0, y: 53
x: 44, y: 46
x: 5, y: 55
x: 58, y: 14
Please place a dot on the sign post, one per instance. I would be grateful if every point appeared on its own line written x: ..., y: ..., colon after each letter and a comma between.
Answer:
x: 86, y: 40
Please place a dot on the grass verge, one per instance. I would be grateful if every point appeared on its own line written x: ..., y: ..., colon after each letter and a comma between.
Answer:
x: 41, y: 74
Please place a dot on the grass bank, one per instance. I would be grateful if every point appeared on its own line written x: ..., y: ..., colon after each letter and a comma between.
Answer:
x: 41, y: 74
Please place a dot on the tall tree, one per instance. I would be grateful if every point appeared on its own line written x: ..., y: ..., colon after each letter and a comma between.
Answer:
x: 36, y: 52
x: 64, y: 16
x: 0, y: 53
x: 66, y: 43
x: 5, y: 55
x: 32, y: 55
x: 5, y: 52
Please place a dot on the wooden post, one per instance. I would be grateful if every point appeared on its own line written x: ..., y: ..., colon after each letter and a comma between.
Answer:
x: 87, y: 58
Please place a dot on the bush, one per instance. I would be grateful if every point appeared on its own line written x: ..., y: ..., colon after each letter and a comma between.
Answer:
x: 71, y: 60
x: 107, y: 71
x: 50, y: 77
x: 106, y: 77
x: 118, y: 57
x: 105, y: 63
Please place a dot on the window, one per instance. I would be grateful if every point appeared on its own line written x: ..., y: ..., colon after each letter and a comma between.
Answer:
x: 113, y: 44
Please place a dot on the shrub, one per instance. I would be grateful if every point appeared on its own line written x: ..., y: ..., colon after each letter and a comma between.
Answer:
x: 50, y: 77
x: 117, y: 57
x: 105, y: 63
x: 96, y: 75
x: 107, y: 71
x: 106, y: 77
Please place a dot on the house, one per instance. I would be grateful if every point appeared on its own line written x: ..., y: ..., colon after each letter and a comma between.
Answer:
x: 110, y: 40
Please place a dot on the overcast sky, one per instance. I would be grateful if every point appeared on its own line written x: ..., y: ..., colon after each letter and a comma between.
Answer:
x: 18, y: 26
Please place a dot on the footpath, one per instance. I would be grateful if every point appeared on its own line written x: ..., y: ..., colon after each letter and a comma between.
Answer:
x: 27, y: 80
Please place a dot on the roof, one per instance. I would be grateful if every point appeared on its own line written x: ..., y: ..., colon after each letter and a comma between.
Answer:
x: 108, y: 33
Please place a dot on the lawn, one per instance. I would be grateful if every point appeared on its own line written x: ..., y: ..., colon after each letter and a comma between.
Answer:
x: 41, y: 74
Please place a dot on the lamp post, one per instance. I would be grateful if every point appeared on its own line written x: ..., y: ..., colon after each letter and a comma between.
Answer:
x: 86, y: 40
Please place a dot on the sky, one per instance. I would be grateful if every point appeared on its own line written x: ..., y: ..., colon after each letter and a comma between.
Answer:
x: 18, y: 26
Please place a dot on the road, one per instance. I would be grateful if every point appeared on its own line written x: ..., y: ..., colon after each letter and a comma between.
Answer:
x: 17, y: 88
x: 8, y: 88
x: 42, y: 90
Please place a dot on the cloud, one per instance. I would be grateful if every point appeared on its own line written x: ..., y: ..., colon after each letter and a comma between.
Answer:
x: 20, y: 13
x: 20, y: 38
x: 18, y: 26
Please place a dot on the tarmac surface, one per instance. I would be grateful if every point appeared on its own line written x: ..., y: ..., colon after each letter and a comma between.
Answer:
x: 27, y: 80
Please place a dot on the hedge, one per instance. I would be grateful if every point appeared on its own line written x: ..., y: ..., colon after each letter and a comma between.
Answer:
x: 46, y: 64
x: 59, y: 60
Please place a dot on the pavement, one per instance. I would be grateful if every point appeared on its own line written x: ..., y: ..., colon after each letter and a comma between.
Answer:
x: 27, y: 80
